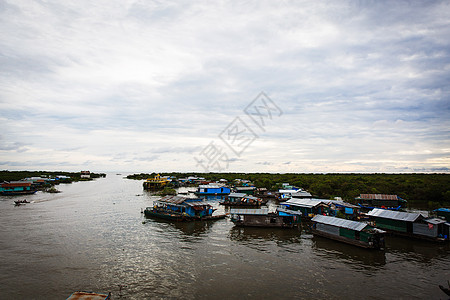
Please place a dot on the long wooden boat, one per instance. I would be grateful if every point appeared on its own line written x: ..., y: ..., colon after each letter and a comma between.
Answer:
x: 262, y: 218
x: 350, y: 232
x: 170, y: 215
x: 177, y: 208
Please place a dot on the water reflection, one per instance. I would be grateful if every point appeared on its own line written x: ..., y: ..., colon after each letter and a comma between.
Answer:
x: 195, y: 228
x: 348, y: 253
x: 418, y: 250
x: 255, y: 234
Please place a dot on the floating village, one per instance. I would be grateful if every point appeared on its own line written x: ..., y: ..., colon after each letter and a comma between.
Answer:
x: 364, y: 223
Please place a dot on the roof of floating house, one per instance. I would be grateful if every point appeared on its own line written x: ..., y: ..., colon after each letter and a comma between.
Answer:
x: 379, y: 197
x: 301, y: 194
x: 245, y: 211
x: 180, y: 200
x: 305, y: 202
x: 353, y: 225
x: 435, y: 221
x: 237, y: 195
x: 394, y: 215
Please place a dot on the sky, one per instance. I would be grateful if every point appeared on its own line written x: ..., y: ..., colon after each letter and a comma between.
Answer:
x: 225, y: 86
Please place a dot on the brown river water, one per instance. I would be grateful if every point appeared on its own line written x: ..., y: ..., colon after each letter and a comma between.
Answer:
x: 93, y: 237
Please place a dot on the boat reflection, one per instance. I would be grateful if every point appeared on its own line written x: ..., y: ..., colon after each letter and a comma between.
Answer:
x: 193, y: 228
x: 344, y: 252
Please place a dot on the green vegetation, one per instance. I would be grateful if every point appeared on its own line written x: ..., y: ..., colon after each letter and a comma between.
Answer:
x: 424, y: 190
x: 6, y: 175
x: 167, y: 191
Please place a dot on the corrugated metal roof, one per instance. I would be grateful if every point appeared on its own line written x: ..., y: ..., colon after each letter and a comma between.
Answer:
x: 306, y: 202
x: 246, y: 211
x: 394, y: 215
x: 378, y: 196
x: 343, y: 203
x: 207, y: 186
x: 435, y: 221
x: 173, y: 199
x: 301, y: 194
x: 237, y: 195
x: 358, y: 226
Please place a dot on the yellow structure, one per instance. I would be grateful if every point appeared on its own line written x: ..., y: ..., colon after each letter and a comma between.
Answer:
x: 155, y: 183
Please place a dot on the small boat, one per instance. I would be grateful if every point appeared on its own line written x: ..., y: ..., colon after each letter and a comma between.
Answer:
x: 347, y: 231
x: 20, y: 202
x: 89, y: 296
x: 261, y: 217
x: 181, y: 209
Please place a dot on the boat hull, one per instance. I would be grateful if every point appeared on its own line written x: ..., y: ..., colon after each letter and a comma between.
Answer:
x: 179, y: 217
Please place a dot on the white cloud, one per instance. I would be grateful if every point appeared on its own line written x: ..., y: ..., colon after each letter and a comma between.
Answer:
x: 143, y: 86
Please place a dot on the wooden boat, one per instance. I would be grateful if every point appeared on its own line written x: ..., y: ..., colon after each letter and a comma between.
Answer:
x: 263, y: 218
x: 20, y: 202
x: 177, y: 208
x: 16, y: 188
x: 347, y: 231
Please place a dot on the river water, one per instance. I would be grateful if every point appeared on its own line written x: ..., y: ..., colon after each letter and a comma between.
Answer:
x: 93, y: 236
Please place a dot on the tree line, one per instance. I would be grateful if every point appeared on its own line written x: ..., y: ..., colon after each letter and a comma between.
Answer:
x: 427, y: 190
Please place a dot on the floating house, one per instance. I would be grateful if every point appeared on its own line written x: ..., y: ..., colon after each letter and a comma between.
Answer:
x: 17, y: 188
x: 249, y: 190
x: 156, y: 183
x: 262, y: 218
x: 308, y: 207
x: 391, y: 202
x: 293, y: 192
x: 349, y: 211
x: 242, y: 199
x: 410, y: 224
x: 179, y: 208
x: 347, y: 231
x: 212, y: 189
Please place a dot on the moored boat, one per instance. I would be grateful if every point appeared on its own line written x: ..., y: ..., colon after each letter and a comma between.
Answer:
x: 177, y: 208
x: 410, y: 224
x: 347, y: 231
x: 16, y: 188
x: 261, y: 217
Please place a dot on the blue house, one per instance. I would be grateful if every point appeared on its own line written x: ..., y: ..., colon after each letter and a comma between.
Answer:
x: 211, y: 189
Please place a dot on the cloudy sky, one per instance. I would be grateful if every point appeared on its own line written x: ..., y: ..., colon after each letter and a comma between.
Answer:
x: 142, y: 86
